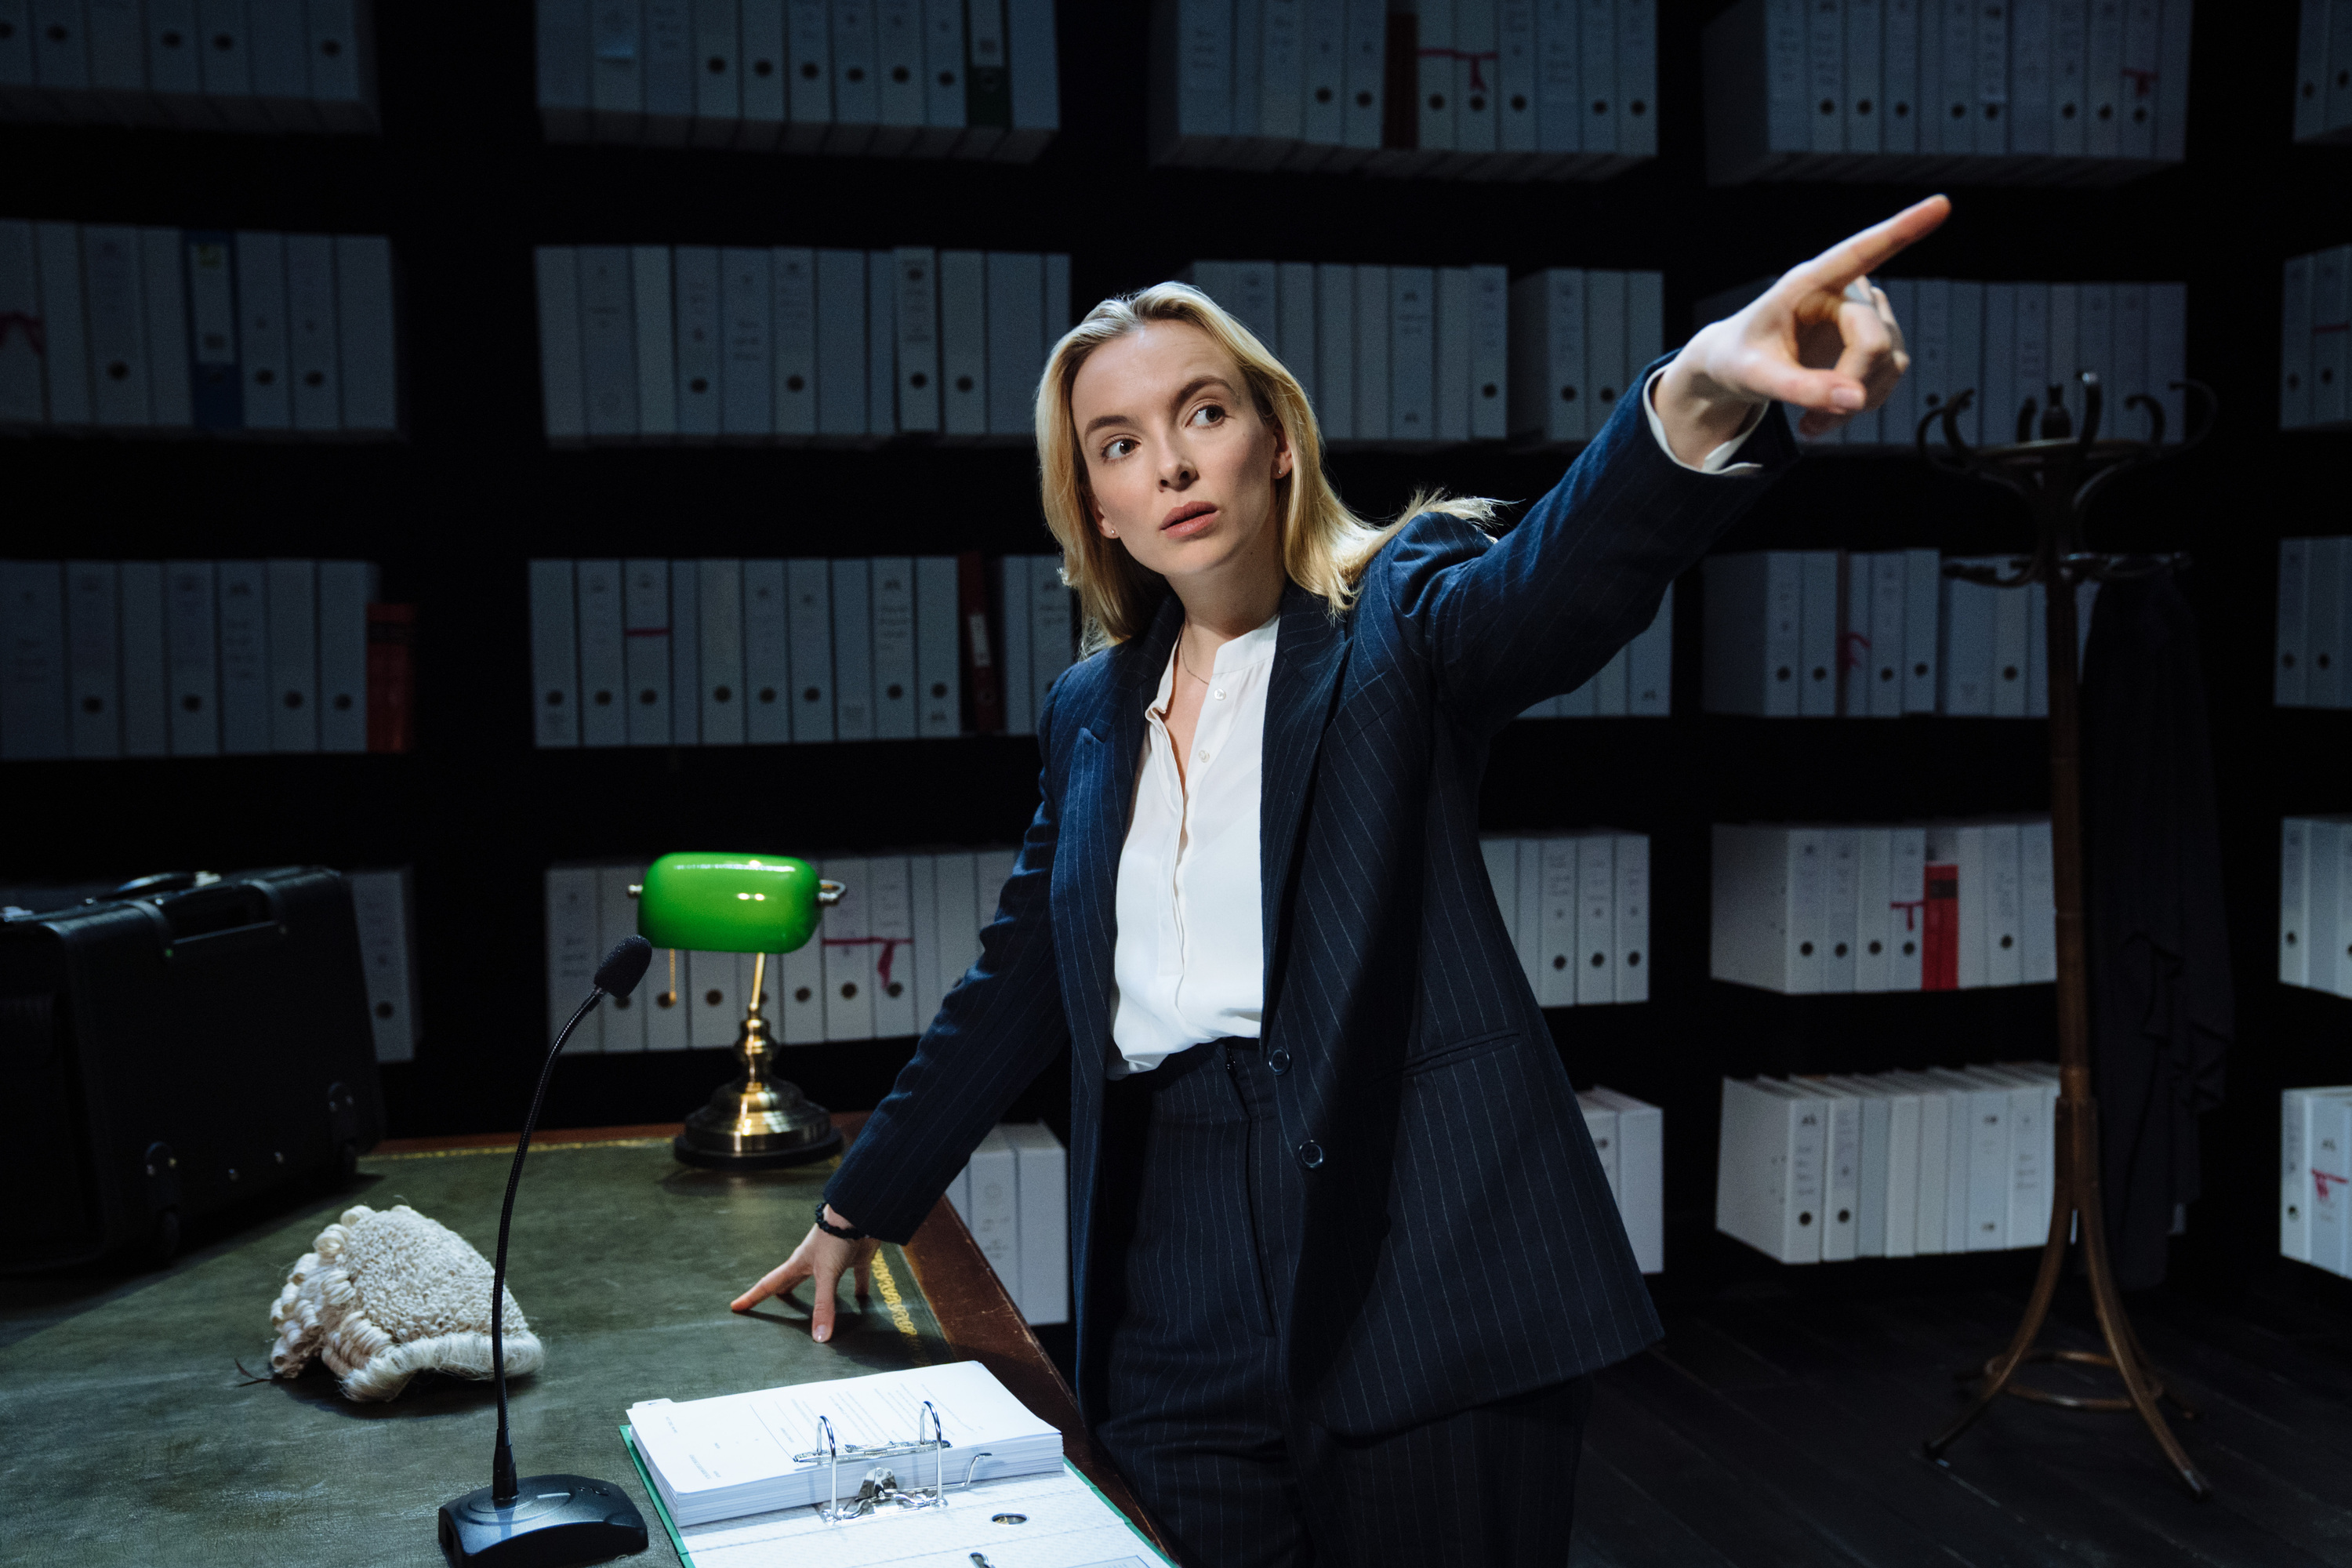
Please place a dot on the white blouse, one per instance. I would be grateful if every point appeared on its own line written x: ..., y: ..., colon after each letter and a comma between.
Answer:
x: 1190, y: 960
x: 1189, y: 963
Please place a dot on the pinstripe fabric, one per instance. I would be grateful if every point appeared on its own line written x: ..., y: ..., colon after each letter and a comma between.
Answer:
x: 1202, y: 1204
x: 1422, y: 1080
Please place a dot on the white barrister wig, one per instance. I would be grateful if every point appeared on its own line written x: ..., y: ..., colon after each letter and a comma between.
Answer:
x: 386, y: 1294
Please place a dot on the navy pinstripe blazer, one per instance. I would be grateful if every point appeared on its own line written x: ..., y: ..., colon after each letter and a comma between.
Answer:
x: 1420, y: 1087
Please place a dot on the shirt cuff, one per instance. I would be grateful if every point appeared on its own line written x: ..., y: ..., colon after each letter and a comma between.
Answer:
x: 1716, y: 462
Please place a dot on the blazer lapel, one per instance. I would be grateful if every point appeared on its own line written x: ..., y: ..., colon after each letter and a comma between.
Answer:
x: 1308, y: 654
x: 1106, y: 804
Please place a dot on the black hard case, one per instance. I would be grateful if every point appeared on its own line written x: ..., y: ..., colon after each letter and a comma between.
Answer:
x: 163, y: 1057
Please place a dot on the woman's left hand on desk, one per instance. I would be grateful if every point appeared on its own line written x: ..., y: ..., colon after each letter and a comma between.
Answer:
x: 825, y: 1259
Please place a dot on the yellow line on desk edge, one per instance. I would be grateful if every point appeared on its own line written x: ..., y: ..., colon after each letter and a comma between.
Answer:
x: 509, y: 1149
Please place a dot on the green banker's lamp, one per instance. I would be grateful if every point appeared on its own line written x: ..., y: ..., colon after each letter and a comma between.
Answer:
x: 759, y: 904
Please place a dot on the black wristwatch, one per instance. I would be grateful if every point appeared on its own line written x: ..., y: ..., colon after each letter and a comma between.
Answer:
x: 832, y: 1229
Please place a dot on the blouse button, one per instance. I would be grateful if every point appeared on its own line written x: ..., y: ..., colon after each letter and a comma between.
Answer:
x: 1206, y: 756
x: 1219, y: 693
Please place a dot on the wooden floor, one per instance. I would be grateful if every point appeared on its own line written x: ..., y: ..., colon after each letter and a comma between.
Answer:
x: 1775, y: 1431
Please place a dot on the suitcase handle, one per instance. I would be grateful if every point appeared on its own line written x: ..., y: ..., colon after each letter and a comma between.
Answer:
x: 226, y: 917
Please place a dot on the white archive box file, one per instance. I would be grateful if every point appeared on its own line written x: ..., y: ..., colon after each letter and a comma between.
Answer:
x: 293, y: 597
x: 809, y: 587
x: 846, y: 937
x: 1752, y: 631
x: 1041, y: 1180
x: 616, y: 919
x: 2315, y: 1167
x: 1639, y: 1183
x: 33, y: 722
x: 191, y: 655
x: 938, y: 670
x: 1841, y: 1167
x: 1769, y: 1188
x: 1966, y: 650
x: 92, y: 659
x: 2316, y: 903
x: 888, y: 958
x: 1557, y: 943
x: 244, y: 632
x: 572, y: 914
x: 1601, y: 1127
x: 994, y: 1217
x: 2327, y: 1155
x: 146, y: 701
x: 381, y: 906
x: 1766, y: 910
x: 603, y: 676
x: 853, y: 649
x: 891, y: 588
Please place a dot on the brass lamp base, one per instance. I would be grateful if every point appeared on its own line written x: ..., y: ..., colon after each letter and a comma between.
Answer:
x: 755, y: 1122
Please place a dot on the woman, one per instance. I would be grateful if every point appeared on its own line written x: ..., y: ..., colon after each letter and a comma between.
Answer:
x: 1344, y: 1254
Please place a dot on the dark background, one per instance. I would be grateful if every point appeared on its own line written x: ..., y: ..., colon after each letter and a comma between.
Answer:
x: 463, y: 184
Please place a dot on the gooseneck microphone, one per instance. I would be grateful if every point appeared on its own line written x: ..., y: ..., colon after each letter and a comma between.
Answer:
x: 543, y: 1521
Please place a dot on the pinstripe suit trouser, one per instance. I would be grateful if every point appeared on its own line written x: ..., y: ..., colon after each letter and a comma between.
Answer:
x: 1205, y: 1207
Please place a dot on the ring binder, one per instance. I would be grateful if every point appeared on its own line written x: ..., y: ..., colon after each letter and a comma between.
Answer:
x: 880, y: 1487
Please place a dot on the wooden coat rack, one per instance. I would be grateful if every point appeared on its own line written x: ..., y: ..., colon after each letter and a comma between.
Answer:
x: 2057, y: 472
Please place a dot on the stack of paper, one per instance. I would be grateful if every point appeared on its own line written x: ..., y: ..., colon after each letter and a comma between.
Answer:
x: 743, y: 1454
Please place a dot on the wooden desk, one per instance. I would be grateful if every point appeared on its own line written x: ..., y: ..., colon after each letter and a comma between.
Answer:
x: 974, y: 1310
x: 136, y: 1438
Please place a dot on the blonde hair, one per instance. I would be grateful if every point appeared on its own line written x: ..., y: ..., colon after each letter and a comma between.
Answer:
x: 1325, y: 547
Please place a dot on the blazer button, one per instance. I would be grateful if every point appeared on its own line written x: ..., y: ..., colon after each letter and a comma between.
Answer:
x: 1310, y: 1154
x: 1278, y: 1059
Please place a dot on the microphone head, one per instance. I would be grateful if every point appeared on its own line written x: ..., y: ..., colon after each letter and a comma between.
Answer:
x: 625, y: 966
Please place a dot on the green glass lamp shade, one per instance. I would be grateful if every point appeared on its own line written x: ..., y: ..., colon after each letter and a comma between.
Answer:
x: 730, y: 903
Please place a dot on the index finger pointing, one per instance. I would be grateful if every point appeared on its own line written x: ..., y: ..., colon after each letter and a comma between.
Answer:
x: 1865, y: 252
x: 775, y: 1282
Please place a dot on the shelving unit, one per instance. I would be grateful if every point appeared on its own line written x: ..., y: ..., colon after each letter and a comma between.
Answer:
x: 466, y: 186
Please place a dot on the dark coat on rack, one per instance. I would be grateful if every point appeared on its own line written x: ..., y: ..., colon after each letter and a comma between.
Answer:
x: 1446, y: 1159
x: 2161, y: 1014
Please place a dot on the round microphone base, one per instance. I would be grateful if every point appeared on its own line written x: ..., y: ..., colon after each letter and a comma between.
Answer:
x: 556, y: 1522
x: 757, y: 1123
